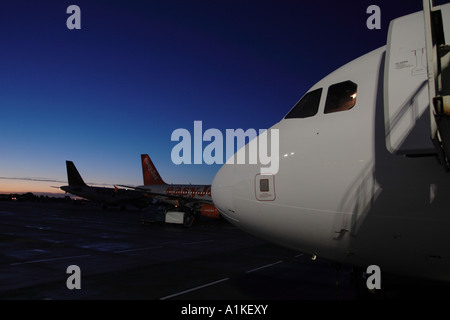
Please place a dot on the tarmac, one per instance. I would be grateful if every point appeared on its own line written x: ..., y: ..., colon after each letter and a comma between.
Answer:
x: 122, y: 255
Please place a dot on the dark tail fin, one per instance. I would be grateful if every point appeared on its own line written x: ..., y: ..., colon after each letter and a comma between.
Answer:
x: 73, y: 175
x: 151, y: 175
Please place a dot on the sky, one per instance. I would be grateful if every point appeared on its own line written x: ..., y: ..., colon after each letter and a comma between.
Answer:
x: 138, y: 70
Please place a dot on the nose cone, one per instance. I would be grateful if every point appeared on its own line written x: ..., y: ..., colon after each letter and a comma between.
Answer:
x: 222, y: 193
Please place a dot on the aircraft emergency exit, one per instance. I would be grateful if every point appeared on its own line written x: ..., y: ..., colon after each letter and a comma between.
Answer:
x: 362, y: 177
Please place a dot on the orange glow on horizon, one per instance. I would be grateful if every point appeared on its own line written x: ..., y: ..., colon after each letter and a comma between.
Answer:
x: 22, y: 186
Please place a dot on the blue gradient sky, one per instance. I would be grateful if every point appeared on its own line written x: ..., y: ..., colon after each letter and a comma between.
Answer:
x: 138, y: 70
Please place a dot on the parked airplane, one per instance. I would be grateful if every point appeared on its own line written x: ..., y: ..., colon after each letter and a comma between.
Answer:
x: 106, y: 196
x: 192, y: 199
x: 360, y: 182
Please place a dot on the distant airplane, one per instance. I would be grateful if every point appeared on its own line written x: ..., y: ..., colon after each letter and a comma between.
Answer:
x: 364, y: 159
x: 190, y: 199
x: 103, y: 195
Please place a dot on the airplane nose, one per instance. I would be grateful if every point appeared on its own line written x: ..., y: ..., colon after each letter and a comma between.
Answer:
x: 222, y: 192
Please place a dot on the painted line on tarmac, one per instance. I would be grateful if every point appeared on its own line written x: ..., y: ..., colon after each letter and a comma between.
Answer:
x: 194, y: 289
x: 265, y: 266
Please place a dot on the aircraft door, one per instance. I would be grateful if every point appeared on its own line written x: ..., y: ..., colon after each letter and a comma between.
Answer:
x: 407, y: 118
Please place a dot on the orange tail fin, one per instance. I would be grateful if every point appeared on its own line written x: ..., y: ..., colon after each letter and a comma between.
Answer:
x: 151, y: 175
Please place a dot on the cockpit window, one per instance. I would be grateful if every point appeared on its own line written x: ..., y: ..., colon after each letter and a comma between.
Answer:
x: 341, y: 96
x: 307, y: 106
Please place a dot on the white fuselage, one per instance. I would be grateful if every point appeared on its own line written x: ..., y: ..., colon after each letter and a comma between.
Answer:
x: 340, y: 193
x: 172, y: 192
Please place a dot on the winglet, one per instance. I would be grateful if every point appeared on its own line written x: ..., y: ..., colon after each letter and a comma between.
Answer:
x: 73, y: 176
x: 151, y: 175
